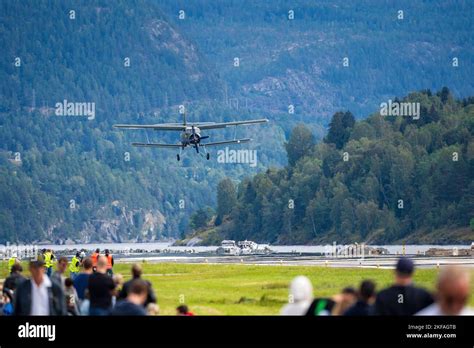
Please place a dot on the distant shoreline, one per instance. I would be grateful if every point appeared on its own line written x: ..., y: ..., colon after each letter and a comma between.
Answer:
x: 168, y: 248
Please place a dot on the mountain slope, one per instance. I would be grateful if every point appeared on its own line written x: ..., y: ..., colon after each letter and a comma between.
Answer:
x: 136, y: 61
x: 300, y: 61
x: 77, y: 178
x: 380, y: 180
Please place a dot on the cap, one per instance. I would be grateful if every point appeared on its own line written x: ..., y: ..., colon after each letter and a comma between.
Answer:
x: 405, y: 266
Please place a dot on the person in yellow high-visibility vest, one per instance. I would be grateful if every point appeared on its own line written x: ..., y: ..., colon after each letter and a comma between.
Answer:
x: 11, y: 261
x: 74, y: 266
x: 49, y: 261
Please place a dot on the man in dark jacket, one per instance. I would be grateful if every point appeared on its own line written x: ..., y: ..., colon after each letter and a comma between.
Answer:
x: 136, y: 274
x: 39, y: 295
x: 402, y: 298
x: 133, y: 304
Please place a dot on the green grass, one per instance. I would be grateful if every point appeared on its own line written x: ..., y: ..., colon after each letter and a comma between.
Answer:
x: 249, y: 290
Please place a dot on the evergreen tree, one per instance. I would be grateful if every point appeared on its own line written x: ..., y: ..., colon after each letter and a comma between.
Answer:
x: 226, y: 199
x: 300, y: 143
x: 340, y: 129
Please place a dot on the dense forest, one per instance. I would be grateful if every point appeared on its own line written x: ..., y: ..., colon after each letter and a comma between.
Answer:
x: 79, y: 179
x: 378, y: 180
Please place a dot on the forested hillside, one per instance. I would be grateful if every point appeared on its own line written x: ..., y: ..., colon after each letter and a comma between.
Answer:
x: 77, y: 178
x: 378, y: 180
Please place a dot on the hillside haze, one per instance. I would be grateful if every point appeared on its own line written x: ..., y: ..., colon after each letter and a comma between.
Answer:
x: 323, y: 56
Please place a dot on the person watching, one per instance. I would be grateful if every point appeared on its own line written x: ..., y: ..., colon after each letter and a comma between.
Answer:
x: 184, y: 311
x: 82, y: 279
x: 39, y: 295
x: 402, y: 298
x: 133, y: 304
x: 452, y: 293
x: 59, y: 276
x: 301, y: 296
x: 363, y: 306
x: 15, y: 277
x: 101, y: 287
x: 136, y: 274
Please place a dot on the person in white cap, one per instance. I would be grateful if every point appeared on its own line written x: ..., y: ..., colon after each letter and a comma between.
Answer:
x: 301, y: 297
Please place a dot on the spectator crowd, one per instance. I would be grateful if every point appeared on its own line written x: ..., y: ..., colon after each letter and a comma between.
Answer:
x: 92, y: 288
x: 402, y: 298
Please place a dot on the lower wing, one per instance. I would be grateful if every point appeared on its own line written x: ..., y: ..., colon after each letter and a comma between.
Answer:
x: 216, y: 143
x: 156, y: 145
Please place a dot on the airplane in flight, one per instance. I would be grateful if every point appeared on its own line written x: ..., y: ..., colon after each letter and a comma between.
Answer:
x: 191, y: 134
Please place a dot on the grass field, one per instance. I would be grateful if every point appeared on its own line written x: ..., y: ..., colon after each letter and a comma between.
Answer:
x: 248, y: 290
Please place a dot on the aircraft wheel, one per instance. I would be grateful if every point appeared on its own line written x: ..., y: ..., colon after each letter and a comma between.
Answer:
x: 177, y: 157
x: 208, y: 155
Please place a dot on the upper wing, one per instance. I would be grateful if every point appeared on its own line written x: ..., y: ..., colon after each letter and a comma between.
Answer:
x: 227, y: 124
x: 163, y: 126
x: 180, y: 127
x: 236, y: 141
x: 156, y: 145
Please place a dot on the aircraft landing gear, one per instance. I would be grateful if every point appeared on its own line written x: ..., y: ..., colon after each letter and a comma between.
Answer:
x: 208, y: 155
x: 177, y: 157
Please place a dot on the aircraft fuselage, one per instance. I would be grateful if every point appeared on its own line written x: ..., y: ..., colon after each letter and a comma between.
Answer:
x: 191, y: 137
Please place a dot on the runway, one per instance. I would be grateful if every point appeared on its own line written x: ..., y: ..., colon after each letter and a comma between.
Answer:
x: 384, y: 262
